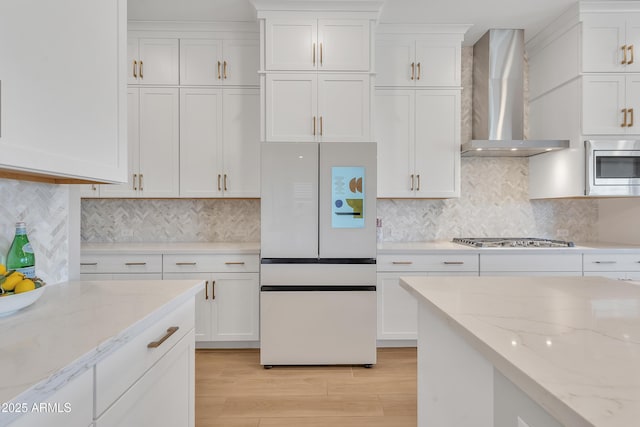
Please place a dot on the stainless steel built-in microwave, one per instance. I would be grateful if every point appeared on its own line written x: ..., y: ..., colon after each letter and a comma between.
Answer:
x: 612, y: 168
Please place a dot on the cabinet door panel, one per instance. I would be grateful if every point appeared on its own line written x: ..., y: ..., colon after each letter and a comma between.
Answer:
x: 133, y: 56
x: 602, y: 102
x: 133, y: 136
x: 241, y: 142
x: 437, y: 64
x: 603, y: 36
x: 203, y: 302
x: 159, y: 142
x: 201, y: 142
x: 291, y: 107
x: 633, y: 40
x: 395, y: 134
x: 200, y: 62
x: 242, y: 57
x: 632, y: 101
x: 343, y: 107
x: 393, y: 63
x: 159, y: 61
x: 397, y: 309
x: 289, y: 44
x: 437, y: 154
x: 344, y: 45
x: 235, y: 307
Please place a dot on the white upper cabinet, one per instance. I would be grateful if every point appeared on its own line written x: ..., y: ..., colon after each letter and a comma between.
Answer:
x: 219, y: 62
x: 299, y: 44
x: 152, y: 61
x: 63, y: 90
x: 418, y: 61
x: 610, y: 104
x: 610, y: 41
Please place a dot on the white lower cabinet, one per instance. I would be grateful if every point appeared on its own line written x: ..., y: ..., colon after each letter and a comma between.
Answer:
x: 228, y: 308
x: 613, y: 266
x: 121, y: 267
x: 531, y: 264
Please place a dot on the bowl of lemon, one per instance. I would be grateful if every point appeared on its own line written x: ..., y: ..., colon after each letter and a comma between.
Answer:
x: 17, y: 291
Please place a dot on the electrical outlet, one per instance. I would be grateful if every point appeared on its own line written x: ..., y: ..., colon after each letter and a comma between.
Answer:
x: 522, y: 423
x: 562, y: 232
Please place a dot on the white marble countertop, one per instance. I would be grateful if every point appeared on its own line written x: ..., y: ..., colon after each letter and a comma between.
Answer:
x: 75, y: 324
x: 571, y: 343
x: 172, y: 248
x: 444, y: 246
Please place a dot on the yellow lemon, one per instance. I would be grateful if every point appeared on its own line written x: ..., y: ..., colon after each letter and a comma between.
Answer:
x: 3, y: 269
x: 10, y: 283
x: 25, y: 285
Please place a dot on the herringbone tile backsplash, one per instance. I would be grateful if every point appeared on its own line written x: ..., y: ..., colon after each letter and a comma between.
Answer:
x: 45, y: 209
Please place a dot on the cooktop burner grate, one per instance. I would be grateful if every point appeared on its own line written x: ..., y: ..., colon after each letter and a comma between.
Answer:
x: 516, y: 242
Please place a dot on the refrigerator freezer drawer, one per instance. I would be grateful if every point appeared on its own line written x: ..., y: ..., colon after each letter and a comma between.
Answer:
x: 325, y: 327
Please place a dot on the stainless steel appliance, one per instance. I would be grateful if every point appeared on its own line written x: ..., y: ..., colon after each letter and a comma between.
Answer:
x: 318, y: 249
x: 612, y: 168
x: 511, y: 242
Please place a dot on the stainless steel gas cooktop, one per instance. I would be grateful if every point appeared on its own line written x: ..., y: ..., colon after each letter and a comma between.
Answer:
x: 511, y: 242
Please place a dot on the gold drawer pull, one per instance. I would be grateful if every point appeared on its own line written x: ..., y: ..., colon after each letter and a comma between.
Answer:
x: 605, y: 262
x: 402, y: 262
x: 630, y: 48
x: 419, y: 72
x: 224, y: 72
x: 630, y: 110
x: 155, y: 344
x: 135, y: 263
x: 624, y: 123
x: 95, y: 263
x: 624, y: 54
x: 135, y: 65
x: 219, y: 70
x: 234, y: 263
x: 186, y: 263
x: 206, y: 290
x: 140, y: 70
x: 213, y: 289
x: 454, y: 263
x: 413, y: 70
x: 411, y: 182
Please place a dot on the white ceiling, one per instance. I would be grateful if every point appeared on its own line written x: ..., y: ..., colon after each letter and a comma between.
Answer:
x: 532, y: 15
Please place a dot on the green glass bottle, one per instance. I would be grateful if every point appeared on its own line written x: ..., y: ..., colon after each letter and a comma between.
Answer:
x: 20, y: 256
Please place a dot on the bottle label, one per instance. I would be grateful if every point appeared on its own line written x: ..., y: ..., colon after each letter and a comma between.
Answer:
x: 27, y: 249
x: 29, y: 272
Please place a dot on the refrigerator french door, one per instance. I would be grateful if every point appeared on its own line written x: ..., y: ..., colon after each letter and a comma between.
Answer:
x: 318, y: 248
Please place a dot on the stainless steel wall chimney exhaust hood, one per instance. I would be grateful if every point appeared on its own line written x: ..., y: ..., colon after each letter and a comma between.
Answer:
x: 498, y: 99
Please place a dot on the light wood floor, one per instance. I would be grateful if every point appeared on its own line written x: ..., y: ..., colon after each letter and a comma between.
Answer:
x: 233, y: 389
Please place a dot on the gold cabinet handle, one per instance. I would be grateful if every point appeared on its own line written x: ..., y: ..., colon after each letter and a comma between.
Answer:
x: 411, y: 182
x: 95, y: 263
x: 219, y: 188
x: 402, y: 262
x: 630, y: 110
x: 135, y: 66
x: 219, y: 70
x: 321, y: 126
x: 155, y: 344
x: 624, y: 54
x: 224, y: 70
x: 313, y: 54
x: 418, y: 187
x: 141, y: 187
x: 419, y: 72
x: 234, y: 263
x: 624, y: 124
x: 206, y: 290
x: 135, y: 180
x: 140, y: 70
x: 413, y: 71
x: 314, y: 125
x: 320, y: 54
x: 225, y: 182
x: 213, y: 289
x: 453, y: 263
x: 135, y: 263
x: 186, y: 263
x: 630, y: 49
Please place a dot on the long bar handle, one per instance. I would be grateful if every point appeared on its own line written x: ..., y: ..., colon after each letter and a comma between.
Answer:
x: 219, y: 187
x: 140, y: 70
x: 186, y: 263
x: 320, y: 53
x: 605, y: 262
x: 155, y: 344
x: 419, y: 72
x: 225, y: 182
x: 135, y: 69
x: 314, y: 125
x: 224, y: 70
x: 141, y: 183
x: 624, y: 123
x: 413, y: 70
x: 624, y: 54
x: 630, y: 110
x: 321, y: 127
x: 135, y: 179
x: 453, y: 263
x: 213, y: 289
x: 418, y: 187
x: 135, y: 263
x: 402, y: 262
x: 411, y: 182
x: 313, y: 54
x: 95, y: 263
x: 234, y: 263
x: 219, y: 64
x: 206, y: 290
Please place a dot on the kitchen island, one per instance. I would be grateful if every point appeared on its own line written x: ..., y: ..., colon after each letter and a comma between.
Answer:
x: 87, y: 351
x: 527, y: 351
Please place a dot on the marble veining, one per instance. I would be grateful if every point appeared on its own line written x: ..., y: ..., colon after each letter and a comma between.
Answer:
x: 73, y: 326
x: 572, y: 344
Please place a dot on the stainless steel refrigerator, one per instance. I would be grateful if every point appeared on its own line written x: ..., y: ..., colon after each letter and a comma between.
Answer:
x: 318, y: 250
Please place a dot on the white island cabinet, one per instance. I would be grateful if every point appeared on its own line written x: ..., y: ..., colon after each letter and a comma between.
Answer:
x: 122, y: 354
x: 63, y: 107
x: 527, y: 351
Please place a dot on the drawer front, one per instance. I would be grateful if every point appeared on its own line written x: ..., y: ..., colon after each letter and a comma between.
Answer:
x: 611, y: 262
x: 530, y: 262
x: 118, y: 371
x: 199, y: 263
x: 121, y: 263
x: 417, y: 262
